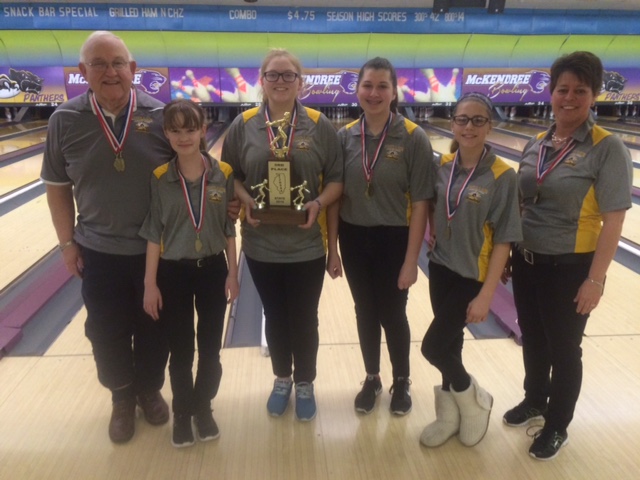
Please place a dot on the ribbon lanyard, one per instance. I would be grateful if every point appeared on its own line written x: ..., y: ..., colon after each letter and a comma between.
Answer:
x: 292, y: 127
x: 542, y: 171
x: 196, y: 215
x: 117, y: 143
x: 452, y: 207
x: 367, y: 164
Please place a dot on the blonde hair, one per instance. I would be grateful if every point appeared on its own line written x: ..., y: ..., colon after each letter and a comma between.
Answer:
x: 275, y: 53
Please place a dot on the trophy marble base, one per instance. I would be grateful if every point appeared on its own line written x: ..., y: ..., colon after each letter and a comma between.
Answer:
x: 280, y: 216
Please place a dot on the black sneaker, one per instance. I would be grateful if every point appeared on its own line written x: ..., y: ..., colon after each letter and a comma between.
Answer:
x: 522, y: 414
x: 547, y: 444
x: 206, y: 427
x: 400, y: 396
x: 182, y: 431
x: 366, y: 398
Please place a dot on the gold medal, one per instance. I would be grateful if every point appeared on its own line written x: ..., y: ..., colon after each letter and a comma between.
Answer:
x: 448, y: 230
x: 198, y: 243
x: 119, y: 163
x: 369, y: 191
x: 536, y: 198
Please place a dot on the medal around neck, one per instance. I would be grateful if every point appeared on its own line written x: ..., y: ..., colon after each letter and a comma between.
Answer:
x: 274, y: 205
x: 118, y: 163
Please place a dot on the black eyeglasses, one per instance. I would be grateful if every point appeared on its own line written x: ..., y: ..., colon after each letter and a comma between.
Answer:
x: 477, y: 121
x: 273, y: 76
x: 103, y: 66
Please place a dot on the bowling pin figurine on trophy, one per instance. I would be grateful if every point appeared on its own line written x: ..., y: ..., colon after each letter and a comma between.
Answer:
x: 279, y: 209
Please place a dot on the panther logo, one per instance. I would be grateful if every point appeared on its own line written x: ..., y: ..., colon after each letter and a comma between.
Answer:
x: 151, y: 81
x: 539, y: 81
x: 613, y: 82
x: 348, y: 81
x: 19, y: 81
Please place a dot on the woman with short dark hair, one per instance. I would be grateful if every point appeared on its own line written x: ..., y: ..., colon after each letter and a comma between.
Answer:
x: 575, y: 186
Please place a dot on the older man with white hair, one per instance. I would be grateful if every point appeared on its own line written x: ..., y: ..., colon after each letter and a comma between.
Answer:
x: 101, y: 149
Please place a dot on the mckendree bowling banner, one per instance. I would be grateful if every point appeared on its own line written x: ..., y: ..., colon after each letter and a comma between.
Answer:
x: 508, y: 85
x: 154, y: 81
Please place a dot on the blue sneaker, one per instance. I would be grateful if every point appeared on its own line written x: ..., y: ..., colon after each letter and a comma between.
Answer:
x: 305, y: 402
x: 279, y: 398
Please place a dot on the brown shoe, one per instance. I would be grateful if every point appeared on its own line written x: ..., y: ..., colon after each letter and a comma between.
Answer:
x: 156, y: 410
x: 123, y: 421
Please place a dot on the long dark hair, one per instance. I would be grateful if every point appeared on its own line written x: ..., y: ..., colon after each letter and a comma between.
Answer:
x: 380, y: 63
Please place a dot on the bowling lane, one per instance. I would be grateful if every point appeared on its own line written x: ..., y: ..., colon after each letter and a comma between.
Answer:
x: 26, y: 235
x: 16, y: 175
x: 216, y: 149
x: 18, y: 142
x: 7, y: 130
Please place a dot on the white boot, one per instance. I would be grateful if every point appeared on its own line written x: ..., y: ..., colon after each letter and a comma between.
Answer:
x: 475, y: 407
x: 447, y: 421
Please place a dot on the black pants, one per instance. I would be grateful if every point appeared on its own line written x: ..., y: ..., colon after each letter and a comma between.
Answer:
x: 551, y: 335
x: 129, y: 348
x: 180, y: 283
x: 450, y: 295
x: 372, y: 259
x: 290, y: 293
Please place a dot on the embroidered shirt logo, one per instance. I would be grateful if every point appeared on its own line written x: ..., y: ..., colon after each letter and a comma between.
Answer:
x: 303, y: 143
x: 475, y: 193
x: 215, y: 193
x: 393, y: 152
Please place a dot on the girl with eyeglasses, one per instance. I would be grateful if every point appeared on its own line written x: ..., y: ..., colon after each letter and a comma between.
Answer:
x: 287, y: 262
x: 389, y: 179
x: 475, y: 220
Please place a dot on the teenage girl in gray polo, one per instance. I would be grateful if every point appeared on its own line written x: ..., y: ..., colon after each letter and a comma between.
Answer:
x: 476, y: 219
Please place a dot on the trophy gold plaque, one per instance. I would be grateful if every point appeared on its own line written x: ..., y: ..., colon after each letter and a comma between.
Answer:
x: 273, y: 201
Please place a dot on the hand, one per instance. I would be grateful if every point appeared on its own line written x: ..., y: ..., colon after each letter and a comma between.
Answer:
x: 231, y: 288
x: 313, y: 210
x: 408, y: 276
x: 233, y: 208
x: 478, y: 309
x: 431, y: 241
x: 72, y: 258
x: 334, y: 265
x: 152, y: 301
x: 588, y: 297
x: 506, y: 272
x: 248, y: 209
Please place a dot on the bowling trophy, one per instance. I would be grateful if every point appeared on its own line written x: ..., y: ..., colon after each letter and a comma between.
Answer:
x: 273, y: 205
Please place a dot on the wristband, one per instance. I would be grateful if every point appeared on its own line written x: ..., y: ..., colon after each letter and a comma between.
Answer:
x: 65, y: 245
x: 600, y: 284
x: 318, y: 202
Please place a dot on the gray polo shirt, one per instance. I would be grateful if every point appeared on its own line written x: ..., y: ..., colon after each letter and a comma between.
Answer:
x: 111, y: 205
x: 169, y: 222
x: 404, y: 173
x: 488, y: 214
x: 595, y: 177
x: 317, y: 158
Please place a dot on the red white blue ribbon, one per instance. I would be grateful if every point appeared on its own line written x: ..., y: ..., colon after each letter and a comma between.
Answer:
x: 116, y: 142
